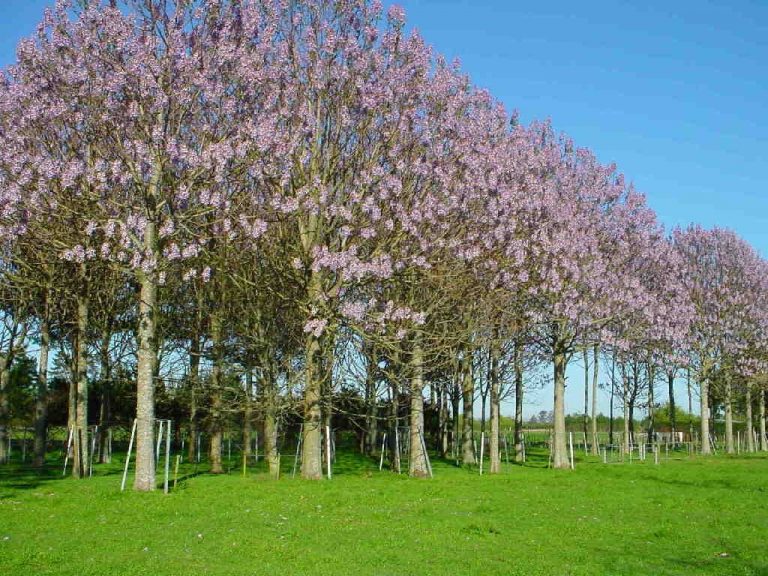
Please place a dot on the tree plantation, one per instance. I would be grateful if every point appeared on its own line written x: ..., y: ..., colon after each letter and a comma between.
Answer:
x: 291, y: 224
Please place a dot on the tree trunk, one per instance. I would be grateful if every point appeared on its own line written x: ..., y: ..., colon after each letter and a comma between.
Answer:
x: 81, y: 459
x: 145, y: 384
x: 268, y: 389
x: 444, y: 422
x: 41, y: 399
x: 371, y: 424
x: 518, y: 369
x: 193, y: 383
x: 585, y: 416
x: 5, y: 407
x: 494, y: 386
x: 468, y: 399
x: 651, y: 401
x: 559, y: 445
x: 455, y: 407
x: 105, y: 406
x: 761, y: 404
x: 311, y: 465
x: 672, y: 409
x: 418, y: 465
x: 749, y: 430
x: 248, y: 413
x: 595, y: 368
x: 627, y: 412
x: 394, y: 407
x: 215, y: 425
x: 705, y: 447
x: 730, y: 447
x: 613, y: 395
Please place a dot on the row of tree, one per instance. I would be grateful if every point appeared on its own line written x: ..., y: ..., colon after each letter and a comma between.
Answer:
x: 293, y: 196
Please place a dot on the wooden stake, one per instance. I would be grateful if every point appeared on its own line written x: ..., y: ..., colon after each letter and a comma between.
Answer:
x: 482, y: 446
x: 570, y: 441
x: 128, y: 457
x: 167, y: 454
x: 176, y: 471
x: 328, y: 449
x: 381, y: 457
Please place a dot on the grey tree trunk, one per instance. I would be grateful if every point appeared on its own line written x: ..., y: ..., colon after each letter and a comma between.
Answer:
x: 394, y: 444
x: 41, y: 399
x: 193, y: 383
x: 761, y: 406
x: 455, y: 407
x: 671, y: 392
x: 705, y: 447
x: 627, y: 411
x: 749, y: 430
x: 730, y: 447
x: 559, y: 445
x: 81, y: 444
x: 595, y: 371
x: 585, y: 416
x: 468, y: 399
x: 371, y: 423
x: 16, y: 339
x: 145, y: 378
x: 311, y: 465
x: 494, y: 386
x: 248, y: 413
x: 518, y: 368
x: 418, y: 466
x: 5, y: 407
x: 651, y: 401
x: 215, y: 429
x: 105, y: 406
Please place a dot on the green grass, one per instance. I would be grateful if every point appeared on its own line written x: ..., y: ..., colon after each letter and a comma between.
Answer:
x: 684, y: 516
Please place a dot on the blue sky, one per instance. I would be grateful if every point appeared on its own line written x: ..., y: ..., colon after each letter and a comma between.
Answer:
x: 676, y: 93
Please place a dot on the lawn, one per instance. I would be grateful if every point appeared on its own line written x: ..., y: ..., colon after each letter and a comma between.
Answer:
x: 683, y: 516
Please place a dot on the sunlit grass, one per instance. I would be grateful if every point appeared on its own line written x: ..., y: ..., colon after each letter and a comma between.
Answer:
x: 683, y: 516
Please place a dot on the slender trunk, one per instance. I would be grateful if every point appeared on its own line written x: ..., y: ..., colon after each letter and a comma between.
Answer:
x: 613, y: 394
x: 328, y: 346
x: 468, y: 398
x: 248, y: 413
x: 761, y: 399
x: 627, y: 411
x: 690, y: 403
x: 595, y: 367
x: 518, y: 369
x: 443, y: 417
x: 705, y: 447
x: 5, y: 407
x: 455, y: 407
x: 748, y: 429
x: 216, y: 430
x: 371, y: 428
x: 394, y: 408
x: 651, y: 401
x: 268, y: 388
x: 585, y: 416
x: 730, y: 446
x: 192, y: 383
x: 311, y: 465
x: 145, y: 385
x: 559, y: 446
x: 672, y: 409
x: 418, y: 466
x: 105, y: 406
x: 494, y: 386
x: 81, y: 459
x: 41, y: 399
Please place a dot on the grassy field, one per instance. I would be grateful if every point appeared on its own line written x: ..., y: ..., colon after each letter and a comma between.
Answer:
x: 683, y: 516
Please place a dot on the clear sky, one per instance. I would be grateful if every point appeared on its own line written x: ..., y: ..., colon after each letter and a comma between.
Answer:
x: 676, y: 93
